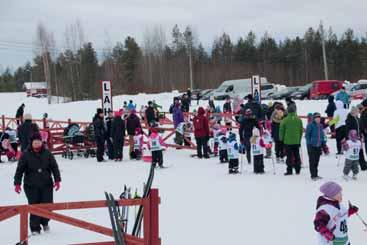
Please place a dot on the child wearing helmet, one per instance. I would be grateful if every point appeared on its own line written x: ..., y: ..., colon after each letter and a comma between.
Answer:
x: 138, y: 144
x: 222, y: 145
x: 352, y: 148
x: 257, y: 148
x: 155, y: 145
x: 233, y: 154
x: 331, y: 216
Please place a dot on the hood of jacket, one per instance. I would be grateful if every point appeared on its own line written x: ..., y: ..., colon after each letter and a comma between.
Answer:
x: 201, y: 111
x: 322, y: 200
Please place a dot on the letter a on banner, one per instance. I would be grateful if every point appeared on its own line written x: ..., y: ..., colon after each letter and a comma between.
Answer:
x: 256, y: 88
x: 106, y: 97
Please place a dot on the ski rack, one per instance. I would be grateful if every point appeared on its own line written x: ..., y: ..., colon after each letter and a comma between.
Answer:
x: 150, y: 220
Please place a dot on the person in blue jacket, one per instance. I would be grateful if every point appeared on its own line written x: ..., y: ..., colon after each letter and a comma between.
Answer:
x: 343, y: 96
x: 131, y: 106
x: 315, y: 138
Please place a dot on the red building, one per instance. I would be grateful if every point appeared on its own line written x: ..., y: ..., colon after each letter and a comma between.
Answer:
x: 36, y: 89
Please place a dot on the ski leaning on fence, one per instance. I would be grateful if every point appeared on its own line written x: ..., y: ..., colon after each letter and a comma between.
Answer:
x: 139, y: 218
x: 115, y: 220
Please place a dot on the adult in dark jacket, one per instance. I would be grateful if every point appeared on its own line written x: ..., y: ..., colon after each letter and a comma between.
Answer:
x: 276, y: 118
x: 19, y: 114
x: 99, y: 133
x: 353, y: 123
x: 118, y: 135
x: 254, y: 107
x: 25, y: 132
x: 247, y: 123
x: 108, y: 137
x: 150, y: 114
x: 185, y: 103
x: 132, y: 123
x: 38, y: 166
x: 330, y: 109
x: 201, y: 132
x: 363, y: 122
x: 227, y: 107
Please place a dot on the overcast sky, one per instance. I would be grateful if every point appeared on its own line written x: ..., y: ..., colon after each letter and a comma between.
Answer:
x: 112, y: 20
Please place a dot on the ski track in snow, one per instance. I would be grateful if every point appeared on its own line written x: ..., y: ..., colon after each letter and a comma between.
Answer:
x: 201, y: 203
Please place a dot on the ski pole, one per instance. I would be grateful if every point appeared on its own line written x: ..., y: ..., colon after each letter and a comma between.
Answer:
x: 339, y: 158
x: 360, y: 218
x: 272, y: 159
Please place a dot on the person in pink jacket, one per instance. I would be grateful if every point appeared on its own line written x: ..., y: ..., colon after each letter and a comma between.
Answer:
x: 155, y: 145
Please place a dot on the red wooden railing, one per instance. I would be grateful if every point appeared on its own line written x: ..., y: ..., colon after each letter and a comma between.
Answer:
x: 150, y: 220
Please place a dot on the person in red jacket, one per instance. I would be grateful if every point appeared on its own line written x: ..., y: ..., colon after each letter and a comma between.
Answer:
x: 201, y: 132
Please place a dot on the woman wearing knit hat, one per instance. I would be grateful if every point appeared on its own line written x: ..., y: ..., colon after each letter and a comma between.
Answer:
x: 41, y: 175
x: 331, y: 216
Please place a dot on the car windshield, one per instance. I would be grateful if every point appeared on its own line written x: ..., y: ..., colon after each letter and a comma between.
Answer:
x: 267, y: 87
x: 305, y: 88
x: 222, y: 88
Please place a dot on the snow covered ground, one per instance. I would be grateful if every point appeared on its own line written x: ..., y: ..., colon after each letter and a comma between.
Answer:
x: 201, y: 203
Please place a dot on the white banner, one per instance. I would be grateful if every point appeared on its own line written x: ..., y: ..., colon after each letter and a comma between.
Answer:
x: 256, y: 88
x: 106, y: 97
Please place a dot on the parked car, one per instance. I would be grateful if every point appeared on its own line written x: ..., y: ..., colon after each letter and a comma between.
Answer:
x: 357, y: 91
x: 284, y: 93
x: 321, y: 89
x: 240, y: 87
x: 267, y: 90
x: 302, y: 93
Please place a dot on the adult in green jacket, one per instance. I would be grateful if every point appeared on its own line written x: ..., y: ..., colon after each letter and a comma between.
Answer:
x: 290, y: 133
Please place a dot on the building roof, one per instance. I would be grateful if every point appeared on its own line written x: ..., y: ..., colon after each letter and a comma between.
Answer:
x: 35, y: 85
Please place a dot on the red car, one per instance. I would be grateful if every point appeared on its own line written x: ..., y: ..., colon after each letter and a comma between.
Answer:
x: 321, y: 89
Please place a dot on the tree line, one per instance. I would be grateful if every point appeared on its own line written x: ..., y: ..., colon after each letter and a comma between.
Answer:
x: 158, y: 65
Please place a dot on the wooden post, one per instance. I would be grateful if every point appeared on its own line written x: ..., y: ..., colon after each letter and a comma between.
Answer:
x: 69, y: 121
x: 146, y: 222
x: 154, y: 220
x: 24, y: 225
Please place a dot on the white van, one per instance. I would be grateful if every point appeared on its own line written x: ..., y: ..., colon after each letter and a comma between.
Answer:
x: 241, y: 87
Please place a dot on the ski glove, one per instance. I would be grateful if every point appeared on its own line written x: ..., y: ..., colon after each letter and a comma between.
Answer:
x: 352, y: 210
x: 18, y: 189
x: 57, y: 185
x: 325, y: 232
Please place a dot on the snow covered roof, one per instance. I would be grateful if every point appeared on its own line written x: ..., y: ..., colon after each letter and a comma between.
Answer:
x: 35, y: 85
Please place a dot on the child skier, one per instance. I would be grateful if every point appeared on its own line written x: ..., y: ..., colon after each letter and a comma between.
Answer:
x: 233, y: 154
x: 352, y: 148
x: 331, y: 216
x: 257, y: 147
x: 155, y: 144
x: 138, y: 143
x: 268, y: 143
x: 222, y: 145
x: 216, y: 131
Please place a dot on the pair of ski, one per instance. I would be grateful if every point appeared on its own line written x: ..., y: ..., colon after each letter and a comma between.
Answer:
x: 119, y: 220
x: 116, y: 222
x: 147, y: 188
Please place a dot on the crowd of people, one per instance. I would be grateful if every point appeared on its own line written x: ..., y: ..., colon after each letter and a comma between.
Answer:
x: 263, y: 130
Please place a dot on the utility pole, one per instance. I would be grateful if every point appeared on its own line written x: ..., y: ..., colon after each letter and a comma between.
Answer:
x: 324, y: 51
x: 190, y: 64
